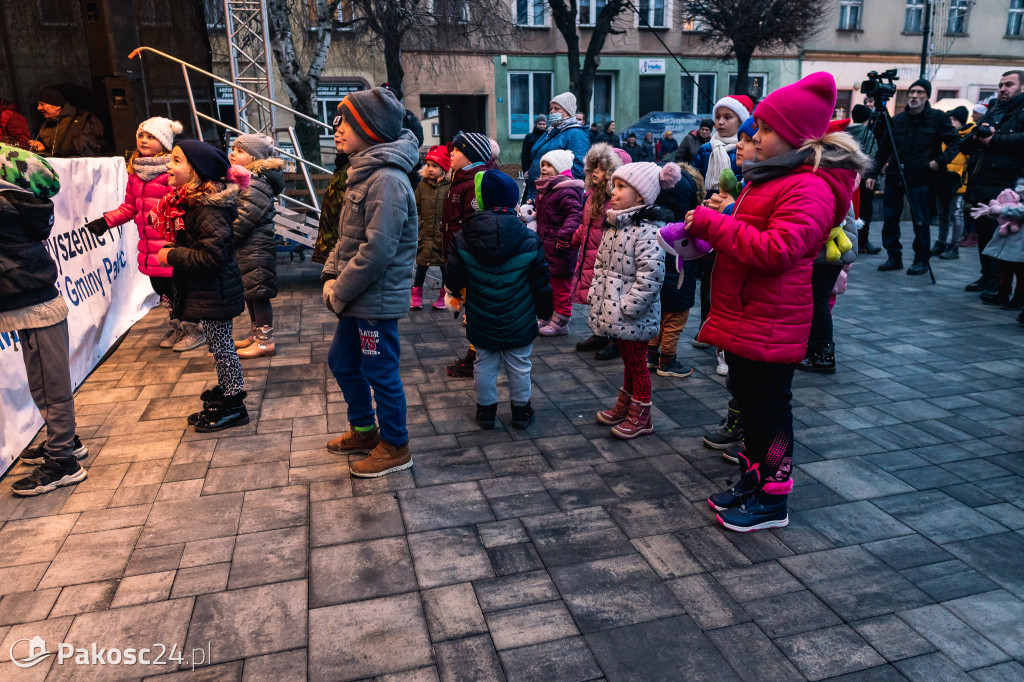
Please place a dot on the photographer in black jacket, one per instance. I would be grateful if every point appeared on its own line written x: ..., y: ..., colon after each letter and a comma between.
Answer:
x: 919, y: 133
x: 996, y: 149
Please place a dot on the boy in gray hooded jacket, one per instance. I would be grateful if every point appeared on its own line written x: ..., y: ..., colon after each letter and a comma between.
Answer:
x: 367, y: 279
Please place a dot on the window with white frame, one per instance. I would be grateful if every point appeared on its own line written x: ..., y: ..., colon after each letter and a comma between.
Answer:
x: 529, y: 94
x: 602, y: 101
x: 849, y: 14
x: 588, y: 11
x: 654, y: 14
x: 531, y: 13
x: 956, y: 22
x: 699, y: 93
x: 1015, y: 21
x: 913, y: 18
x: 757, y: 85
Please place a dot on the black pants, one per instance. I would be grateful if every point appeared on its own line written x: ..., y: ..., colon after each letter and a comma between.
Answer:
x: 986, y: 227
x: 764, y: 392
x: 261, y: 313
x: 867, y: 207
x: 823, y: 281
x: 919, y: 198
x: 702, y: 269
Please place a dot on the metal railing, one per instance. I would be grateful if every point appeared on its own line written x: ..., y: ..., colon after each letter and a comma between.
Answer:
x: 290, y: 224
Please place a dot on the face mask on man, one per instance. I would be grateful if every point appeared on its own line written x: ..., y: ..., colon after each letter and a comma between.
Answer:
x: 554, y: 119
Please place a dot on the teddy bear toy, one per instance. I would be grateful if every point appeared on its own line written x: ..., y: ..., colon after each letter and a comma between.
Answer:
x: 1009, y: 209
x: 528, y: 214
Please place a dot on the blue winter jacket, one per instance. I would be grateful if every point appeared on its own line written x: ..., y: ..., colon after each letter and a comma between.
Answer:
x: 573, y: 137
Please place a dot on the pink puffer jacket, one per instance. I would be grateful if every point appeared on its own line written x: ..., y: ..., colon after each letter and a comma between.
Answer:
x: 140, y: 198
x: 587, y: 238
x: 761, y: 283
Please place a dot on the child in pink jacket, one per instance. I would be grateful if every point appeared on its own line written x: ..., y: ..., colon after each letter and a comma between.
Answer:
x: 761, y: 302
x: 147, y: 184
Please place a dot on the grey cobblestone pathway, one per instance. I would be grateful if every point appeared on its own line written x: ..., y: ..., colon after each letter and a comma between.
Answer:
x: 556, y: 553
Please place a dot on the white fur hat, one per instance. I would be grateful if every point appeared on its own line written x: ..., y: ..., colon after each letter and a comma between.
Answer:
x: 648, y: 179
x: 163, y: 129
x: 567, y: 101
x: 561, y: 159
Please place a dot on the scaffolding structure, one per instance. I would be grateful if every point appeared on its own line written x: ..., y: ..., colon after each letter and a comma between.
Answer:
x: 248, y: 38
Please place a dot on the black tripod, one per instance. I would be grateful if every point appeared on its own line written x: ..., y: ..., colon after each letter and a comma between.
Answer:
x: 882, y: 115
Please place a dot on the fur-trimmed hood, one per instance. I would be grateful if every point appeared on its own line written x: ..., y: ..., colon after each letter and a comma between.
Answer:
x: 225, y: 196
x: 602, y: 154
x: 271, y: 170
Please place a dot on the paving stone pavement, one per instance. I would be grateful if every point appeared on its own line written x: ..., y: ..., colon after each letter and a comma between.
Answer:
x: 555, y: 553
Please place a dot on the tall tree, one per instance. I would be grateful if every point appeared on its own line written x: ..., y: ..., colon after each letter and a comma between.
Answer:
x: 565, y: 13
x: 745, y: 27
x: 300, y: 81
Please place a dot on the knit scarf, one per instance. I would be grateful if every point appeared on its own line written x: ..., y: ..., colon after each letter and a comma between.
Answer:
x: 167, y: 216
x: 149, y: 167
x: 719, y: 161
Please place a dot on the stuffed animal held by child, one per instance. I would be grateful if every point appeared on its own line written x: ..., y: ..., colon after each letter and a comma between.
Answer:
x: 728, y: 183
x: 675, y: 239
x: 1009, y: 209
x: 528, y: 214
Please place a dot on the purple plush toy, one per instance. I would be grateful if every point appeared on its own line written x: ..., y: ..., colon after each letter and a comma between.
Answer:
x: 676, y: 240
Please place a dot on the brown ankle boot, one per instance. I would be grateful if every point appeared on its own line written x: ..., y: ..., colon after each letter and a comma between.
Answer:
x: 355, y: 441
x: 617, y: 413
x: 247, y: 341
x: 261, y: 346
x: 637, y: 423
x: 385, y: 459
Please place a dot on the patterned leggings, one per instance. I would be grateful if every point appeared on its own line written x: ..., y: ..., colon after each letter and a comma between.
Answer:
x: 229, y: 368
x: 636, y: 378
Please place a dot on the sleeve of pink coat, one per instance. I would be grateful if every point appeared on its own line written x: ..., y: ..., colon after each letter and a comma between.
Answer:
x: 124, y: 212
x: 797, y: 227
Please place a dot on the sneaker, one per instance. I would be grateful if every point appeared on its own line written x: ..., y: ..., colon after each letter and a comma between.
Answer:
x: 416, y: 298
x: 653, y: 357
x: 522, y: 416
x: 35, y: 456
x: 173, y: 336
x: 463, y: 369
x: 952, y: 252
x: 729, y: 432
x: 594, y: 343
x: 700, y: 344
x: 354, y: 441
x: 669, y: 366
x: 383, y: 460
x: 758, y: 512
x: 556, y: 326
x: 734, y: 453
x: 722, y: 369
x: 193, y: 337
x: 938, y: 248
x: 486, y: 416
x: 737, y: 494
x: 47, y: 478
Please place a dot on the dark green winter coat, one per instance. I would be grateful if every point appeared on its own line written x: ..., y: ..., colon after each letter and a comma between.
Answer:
x: 255, y: 243
x: 500, y: 263
x: 430, y: 196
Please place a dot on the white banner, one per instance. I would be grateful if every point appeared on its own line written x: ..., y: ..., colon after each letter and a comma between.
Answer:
x: 99, y: 279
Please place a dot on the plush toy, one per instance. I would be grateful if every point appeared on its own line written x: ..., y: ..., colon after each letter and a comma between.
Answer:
x: 1009, y: 209
x: 728, y: 183
x: 838, y: 244
x: 528, y: 214
x: 453, y: 302
x: 677, y: 241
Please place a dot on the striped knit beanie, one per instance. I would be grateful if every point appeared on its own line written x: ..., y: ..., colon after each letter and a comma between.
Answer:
x: 376, y: 115
x: 24, y: 171
x: 476, y: 147
x: 648, y: 179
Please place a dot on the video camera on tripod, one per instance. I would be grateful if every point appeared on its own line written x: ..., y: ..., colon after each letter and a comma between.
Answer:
x: 880, y: 86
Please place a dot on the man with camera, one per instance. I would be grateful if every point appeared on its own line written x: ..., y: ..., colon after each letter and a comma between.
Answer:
x: 918, y: 133
x: 996, y: 149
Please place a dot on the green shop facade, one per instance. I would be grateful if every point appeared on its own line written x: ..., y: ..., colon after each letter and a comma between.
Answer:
x: 625, y: 88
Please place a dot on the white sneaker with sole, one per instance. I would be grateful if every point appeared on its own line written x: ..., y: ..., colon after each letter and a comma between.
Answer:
x: 722, y: 369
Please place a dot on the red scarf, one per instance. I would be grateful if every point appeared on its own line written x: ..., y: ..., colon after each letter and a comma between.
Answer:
x: 167, y: 216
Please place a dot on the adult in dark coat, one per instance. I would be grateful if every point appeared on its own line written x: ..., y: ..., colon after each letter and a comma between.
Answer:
x: 540, y: 124
x: 693, y: 141
x: 66, y: 130
x: 668, y: 145
x: 996, y: 151
x: 607, y: 135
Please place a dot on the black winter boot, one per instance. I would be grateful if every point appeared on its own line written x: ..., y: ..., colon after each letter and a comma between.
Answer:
x: 594, y: 343
x: 486, y: 415
x: 463, y: 368
x: 822, y: 359
x: 522, y: 416
x: 865, y: 246
x: 224, y: 414
x: 209, y: 397
x: 609, y: 352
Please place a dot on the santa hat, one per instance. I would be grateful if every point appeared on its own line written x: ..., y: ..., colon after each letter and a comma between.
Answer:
x: 163, y: 129
x: 980, y: 108
x: 439, y: 155
x: 560, y: 159
x: 737, y: 104
x: 648, y: 179
x: 801, y: 111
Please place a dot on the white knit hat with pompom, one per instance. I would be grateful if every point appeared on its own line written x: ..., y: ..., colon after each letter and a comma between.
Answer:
x: 648, y: 179
x: 163, y: 129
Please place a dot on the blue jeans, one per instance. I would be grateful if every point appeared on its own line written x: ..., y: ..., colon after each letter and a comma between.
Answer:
x: 364, y: 355
x: 893, y: 207
x: 517, y: 369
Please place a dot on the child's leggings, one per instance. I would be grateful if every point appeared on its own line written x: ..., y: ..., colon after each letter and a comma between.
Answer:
x: 764, y: 393
x: 229, y: 367
x: 261, y: 313
x: 636, y: 377
x: 562, y: 295
x: 421, y: 275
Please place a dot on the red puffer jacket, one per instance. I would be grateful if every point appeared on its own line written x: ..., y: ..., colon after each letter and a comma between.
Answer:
x: 460, y: 202
x: 761, y: 302
x: 587, y: 238
x: 140, y: 198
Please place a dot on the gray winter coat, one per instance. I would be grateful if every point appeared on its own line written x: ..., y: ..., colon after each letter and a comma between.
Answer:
x: 625, y: 295
x: 1011, y: 247
x: 255, y: 244
x: 371, y: 264
x: 850, y: 226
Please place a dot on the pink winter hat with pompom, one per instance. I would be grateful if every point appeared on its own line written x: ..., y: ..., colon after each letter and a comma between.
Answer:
x: 648, y: 179
x: 801, y: 111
